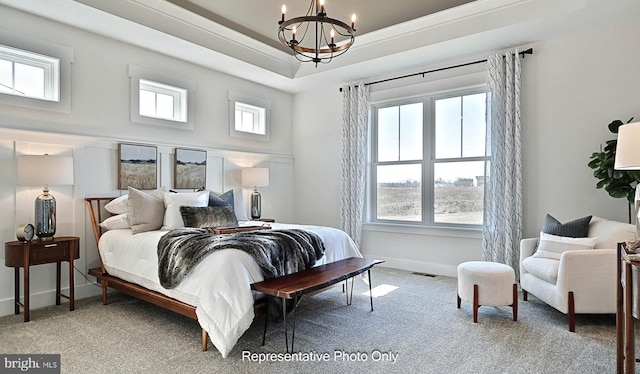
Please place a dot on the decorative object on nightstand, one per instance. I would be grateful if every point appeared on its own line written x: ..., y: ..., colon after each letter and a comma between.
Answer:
x: 19, y: 254
x: 628, y: 158
x: 255, y: 177
x: 36, y: 170
x: 25, y: 232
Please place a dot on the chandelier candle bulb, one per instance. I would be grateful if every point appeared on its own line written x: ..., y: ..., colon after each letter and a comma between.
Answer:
x: 353, y: 21
x: 284, y: 10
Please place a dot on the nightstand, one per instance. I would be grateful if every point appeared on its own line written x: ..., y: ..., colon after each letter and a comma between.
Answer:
x: 24, y: 255
x: 266, y: 219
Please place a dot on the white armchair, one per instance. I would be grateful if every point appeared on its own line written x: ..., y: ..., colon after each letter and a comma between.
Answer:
x: 582, y: 281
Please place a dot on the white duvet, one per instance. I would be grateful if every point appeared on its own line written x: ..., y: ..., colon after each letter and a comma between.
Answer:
x: 219, y: 287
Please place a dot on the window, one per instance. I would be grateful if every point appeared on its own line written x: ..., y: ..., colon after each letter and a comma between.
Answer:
x: 161, y: 99
x: 250, y: 119
x: 249, y: 116
x: 29, y: 74
x: 428, y: 159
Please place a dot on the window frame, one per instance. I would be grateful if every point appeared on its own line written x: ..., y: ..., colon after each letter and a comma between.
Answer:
x: 427, y: 162
x: 181, y: 89
x: 262, y: 106
x: 34, y: 52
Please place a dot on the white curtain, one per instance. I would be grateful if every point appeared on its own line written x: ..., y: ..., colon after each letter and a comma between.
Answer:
x: 502, y: 228
x: 355, y: 106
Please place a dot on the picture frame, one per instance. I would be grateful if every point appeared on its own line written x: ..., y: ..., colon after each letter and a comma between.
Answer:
x: 137, y: 166
x: 190, y: 169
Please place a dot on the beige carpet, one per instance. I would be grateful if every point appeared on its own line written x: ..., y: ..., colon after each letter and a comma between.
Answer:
x: 415, y: 328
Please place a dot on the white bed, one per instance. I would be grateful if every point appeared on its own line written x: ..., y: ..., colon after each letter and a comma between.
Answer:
x: 219, y: 287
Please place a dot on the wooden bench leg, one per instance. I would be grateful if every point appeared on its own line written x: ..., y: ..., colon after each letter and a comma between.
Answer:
x: 266, y: 321
x: 204, y: 340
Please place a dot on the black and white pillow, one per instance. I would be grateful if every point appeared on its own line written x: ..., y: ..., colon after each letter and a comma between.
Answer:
x: 209, y: 216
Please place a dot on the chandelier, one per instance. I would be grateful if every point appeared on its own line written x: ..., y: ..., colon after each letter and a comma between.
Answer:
x: 320, y: 46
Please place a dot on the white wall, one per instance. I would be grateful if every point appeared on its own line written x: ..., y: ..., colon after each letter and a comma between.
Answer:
x: 99, y: 120
x: 572, y: 88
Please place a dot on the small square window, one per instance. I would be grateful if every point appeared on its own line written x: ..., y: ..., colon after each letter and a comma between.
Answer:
x: 249, y: 117
x: 161, y: 99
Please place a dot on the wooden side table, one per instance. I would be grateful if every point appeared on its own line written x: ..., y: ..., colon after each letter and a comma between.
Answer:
x: 626, y: 311
x: 24, y: 255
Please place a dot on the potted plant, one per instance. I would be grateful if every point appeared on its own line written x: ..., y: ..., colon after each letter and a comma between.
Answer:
x: 617, y: 183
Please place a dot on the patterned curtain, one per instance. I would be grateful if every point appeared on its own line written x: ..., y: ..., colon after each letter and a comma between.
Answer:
x: 355, y: 106
x: 502, y: 228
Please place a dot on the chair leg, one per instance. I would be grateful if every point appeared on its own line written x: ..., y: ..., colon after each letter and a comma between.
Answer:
x: 572, y: 313
x: 475, y: 303
x: 525, y: 295
x: 459, y: 301
x: 515, y: 302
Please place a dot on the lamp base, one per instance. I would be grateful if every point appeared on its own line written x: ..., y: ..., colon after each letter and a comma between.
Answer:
x: 255, y: 205
x: 45, y: 216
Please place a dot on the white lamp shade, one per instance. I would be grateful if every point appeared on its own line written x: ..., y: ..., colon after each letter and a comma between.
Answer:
x: 38, y: 170
x: 255, y: 177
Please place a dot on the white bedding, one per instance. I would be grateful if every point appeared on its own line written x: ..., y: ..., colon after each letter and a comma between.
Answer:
x: 219, y: 287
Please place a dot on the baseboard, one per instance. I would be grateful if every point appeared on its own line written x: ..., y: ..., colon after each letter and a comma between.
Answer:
x: 418, y: 266
x: 48, y: 298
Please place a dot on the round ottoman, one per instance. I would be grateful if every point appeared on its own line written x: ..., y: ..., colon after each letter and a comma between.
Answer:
x: 487, y: 283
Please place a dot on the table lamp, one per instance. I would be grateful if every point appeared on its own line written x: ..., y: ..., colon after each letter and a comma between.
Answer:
x: 255, y: 177
x: 628, y: 157
x: 38, y: 170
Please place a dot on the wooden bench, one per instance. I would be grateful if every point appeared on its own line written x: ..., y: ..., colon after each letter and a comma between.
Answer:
x: 313, y: 280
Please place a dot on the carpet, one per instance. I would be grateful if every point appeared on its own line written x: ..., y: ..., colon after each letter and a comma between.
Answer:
x: 415, y: 328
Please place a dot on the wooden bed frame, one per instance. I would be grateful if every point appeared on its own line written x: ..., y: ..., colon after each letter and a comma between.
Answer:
x: 95, y: 206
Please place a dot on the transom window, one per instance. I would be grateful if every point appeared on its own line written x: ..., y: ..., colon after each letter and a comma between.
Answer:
x: 29, y: 74
x: 250, y: 119
x: 428, y: 159
x: 163, y: 101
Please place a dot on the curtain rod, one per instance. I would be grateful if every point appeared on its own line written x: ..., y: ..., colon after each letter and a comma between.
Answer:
x: 522, y: 54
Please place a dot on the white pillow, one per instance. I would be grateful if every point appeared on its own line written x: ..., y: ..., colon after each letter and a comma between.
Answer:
x: 173, y: 202
x: 238, y: 205
x: 552, y: 246
x: 610, y: 233
x: 119, y: 205
x: 119, y: 222
x: 146, y: 211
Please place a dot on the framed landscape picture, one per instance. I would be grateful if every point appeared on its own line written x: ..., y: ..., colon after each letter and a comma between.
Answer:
x: 190, y: 169
x: 137, y: 166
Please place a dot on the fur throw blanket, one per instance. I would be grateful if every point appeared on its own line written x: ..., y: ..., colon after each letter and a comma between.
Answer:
x: 277, y: 252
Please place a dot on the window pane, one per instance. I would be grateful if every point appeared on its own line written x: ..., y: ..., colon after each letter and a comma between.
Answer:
x: 147, y: 103
x: 474, y: 114
x: 448, y: 129
x: 399, y: 192
x: 411, y: 132
x: 388, y: 134
x: 29, y: 80
x: 6, y: 72
x: 164, y: 106
x: 459, y: 192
